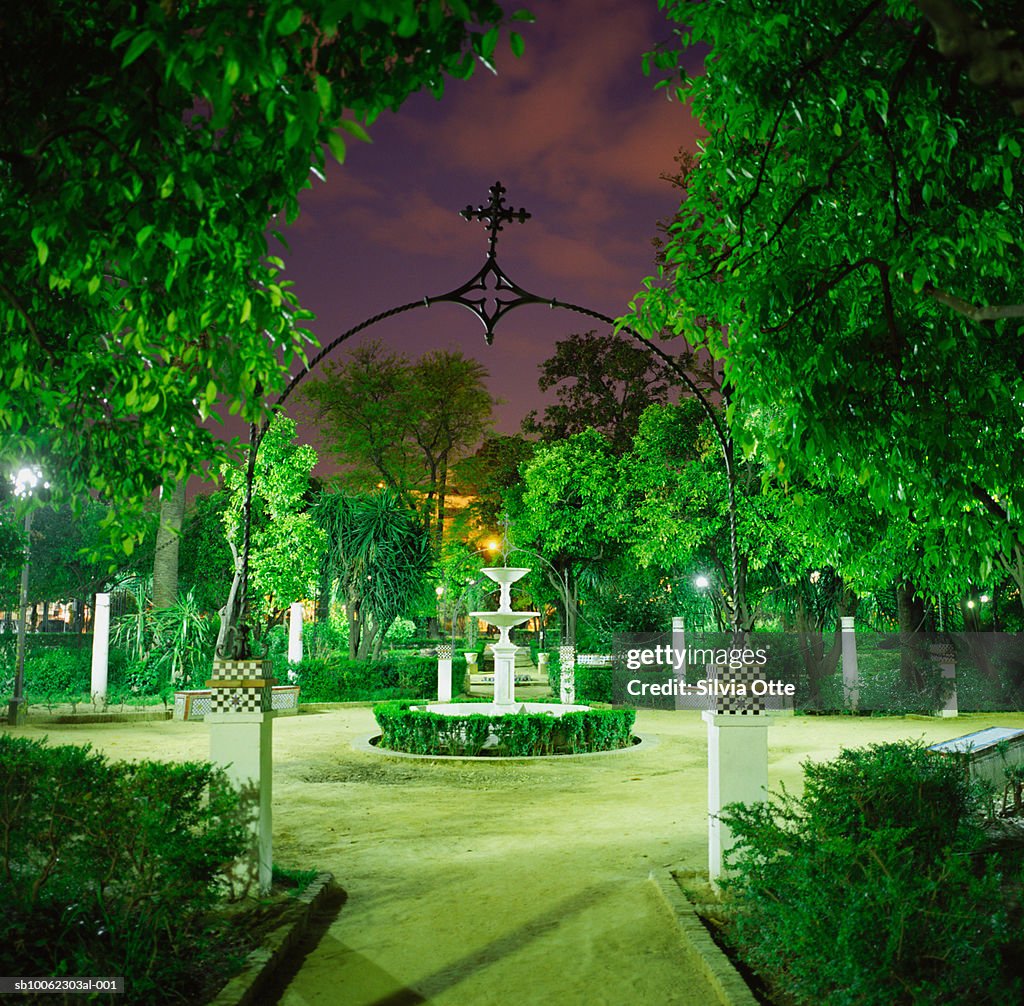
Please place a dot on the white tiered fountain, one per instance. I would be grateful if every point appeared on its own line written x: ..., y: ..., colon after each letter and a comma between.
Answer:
x: 504, y: 651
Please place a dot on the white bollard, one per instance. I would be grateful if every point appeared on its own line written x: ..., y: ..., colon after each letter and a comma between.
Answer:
x: 294, y: 635
x: 737, y: 773
x: 241, y: 725
x: 851, y: 679
x: 100, y: 647
x: 444, y: 672
x: 945, y: 656
x: 567, y: 673
x: 679, y: 646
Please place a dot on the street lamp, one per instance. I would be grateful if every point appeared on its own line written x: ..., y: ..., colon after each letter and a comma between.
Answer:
x: 24, y: 482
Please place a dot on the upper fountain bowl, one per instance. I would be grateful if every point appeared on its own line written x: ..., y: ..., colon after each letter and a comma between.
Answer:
x: 504, y: 574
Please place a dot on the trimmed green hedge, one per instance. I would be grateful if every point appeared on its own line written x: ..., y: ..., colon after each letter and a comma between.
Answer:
x: 339, y: 679
x: 519, y: 734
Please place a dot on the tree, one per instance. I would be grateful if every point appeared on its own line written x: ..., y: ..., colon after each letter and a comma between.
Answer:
x: 286, y: 545
x: 491, y: 475
x: 402, y: 424
x: 572, y: 513
x: 167, y: 547
x: 603, y: 382
x: 142, y: 158
x: 206, y: 565
x: 377, y: 555
x: 851, y: 243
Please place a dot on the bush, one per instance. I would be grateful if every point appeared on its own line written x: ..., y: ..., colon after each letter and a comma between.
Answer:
x: 870, y: 889
x: 111, y: 869
x: 343, y: 680
x: 593, y: 684
x: 54, y: 673
x: 518, y: 734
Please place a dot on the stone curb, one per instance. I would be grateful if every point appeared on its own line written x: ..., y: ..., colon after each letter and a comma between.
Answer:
x: 700, y: 948
x: 86, y: 719
x: 644, y: 742
x: 247, y: 987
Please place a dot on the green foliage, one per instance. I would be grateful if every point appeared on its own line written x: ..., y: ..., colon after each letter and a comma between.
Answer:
x: 111, y: 868
x: 205, y: 566
x: 52, y: 674
x: 377, y: 557
x: 593, y: 684
x: 604, y: 382
x: 404, y: 422
x: 870, y: 890
x: 145, y: 156
x: 286, y: 542
x: 338, y: 679
x: 519, y: 734
x: 848, y: 176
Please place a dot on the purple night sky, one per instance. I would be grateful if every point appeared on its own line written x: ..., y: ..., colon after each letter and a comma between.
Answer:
x: 578, y: 137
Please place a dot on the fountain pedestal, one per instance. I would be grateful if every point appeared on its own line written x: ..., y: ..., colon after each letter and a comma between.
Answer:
x: 504, y: 619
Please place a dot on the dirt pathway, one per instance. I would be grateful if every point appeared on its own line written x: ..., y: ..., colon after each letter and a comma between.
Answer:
x: 520, y: 883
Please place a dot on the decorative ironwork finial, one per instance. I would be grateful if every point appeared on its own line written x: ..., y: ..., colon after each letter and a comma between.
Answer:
x: 495, y: 213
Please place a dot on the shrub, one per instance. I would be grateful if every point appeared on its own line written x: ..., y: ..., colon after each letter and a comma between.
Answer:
x: 593, y: 684
x: 54, y: 673
x: 111, y: 869
x: 519, y: 734
x: 870, y: 889
x: 343, y: 680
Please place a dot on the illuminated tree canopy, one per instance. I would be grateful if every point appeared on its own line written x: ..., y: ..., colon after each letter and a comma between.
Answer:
x: 143, y: 155
x: 851, y: 242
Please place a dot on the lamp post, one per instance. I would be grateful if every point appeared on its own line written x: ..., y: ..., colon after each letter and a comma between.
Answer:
x: 24, y: 482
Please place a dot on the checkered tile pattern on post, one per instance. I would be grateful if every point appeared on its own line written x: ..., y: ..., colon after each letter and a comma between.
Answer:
x: 241, y: 686
x: 241, y: 700
x: 444, y: 651
x: 738, y: 704
x: 238, y: 670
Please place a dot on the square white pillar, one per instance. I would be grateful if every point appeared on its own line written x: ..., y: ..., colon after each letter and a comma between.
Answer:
x: 504, y: 673
x: 737, y: 773
x: 444, y: 672
x: 851, y: 677
x: 567, y: 673
x: 945, y: 656
x: 100, y: 647
x: 295, y: 612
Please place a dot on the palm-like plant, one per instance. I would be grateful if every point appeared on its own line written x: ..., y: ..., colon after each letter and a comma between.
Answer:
x: 378, y: 555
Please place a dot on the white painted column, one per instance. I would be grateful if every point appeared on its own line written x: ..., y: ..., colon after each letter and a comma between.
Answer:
x: 444, y: 672
x: 851, y: 679
x: 504, y: 673
x: 567, y: 674
x: 241, y: 742
x: 100, y: 646
x: 945, y: 656
x: 737, y: 773
x: 679, y: 646
x: 295, y: 612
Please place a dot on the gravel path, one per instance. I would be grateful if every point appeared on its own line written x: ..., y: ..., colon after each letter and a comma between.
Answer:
x: 519, y: 883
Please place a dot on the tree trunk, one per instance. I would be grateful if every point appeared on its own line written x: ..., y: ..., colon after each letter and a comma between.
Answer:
x: 910, y: 610
x: 442, y: 492
x: 168, y: 536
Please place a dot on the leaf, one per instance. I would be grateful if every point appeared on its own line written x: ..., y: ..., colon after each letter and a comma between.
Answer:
x: 355, y: 129
x: 143, y: 234
x: 290, y: 21
x: 515, y: 41
x: 138, y: 46
x: 337, y: 144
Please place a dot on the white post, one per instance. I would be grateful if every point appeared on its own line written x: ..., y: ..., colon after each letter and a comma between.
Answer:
x: 444, y: 672
x: 851, y: 679
x: 737, y: 773
x: 504, y: 673
x: 567, y: 674
x: 241, y: 741
x: 679, y: 646
x: 100, y: 647
x: 294, y: 635
x: 945, y: 656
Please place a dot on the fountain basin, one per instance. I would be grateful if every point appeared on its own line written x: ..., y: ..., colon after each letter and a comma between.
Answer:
x: 504, y: 619
x: 493, y: 709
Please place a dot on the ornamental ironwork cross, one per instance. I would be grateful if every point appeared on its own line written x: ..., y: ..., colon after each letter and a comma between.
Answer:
x: 495, y: 213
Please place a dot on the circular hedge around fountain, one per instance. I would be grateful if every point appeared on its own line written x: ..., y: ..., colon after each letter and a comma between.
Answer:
x: 415, y: 730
